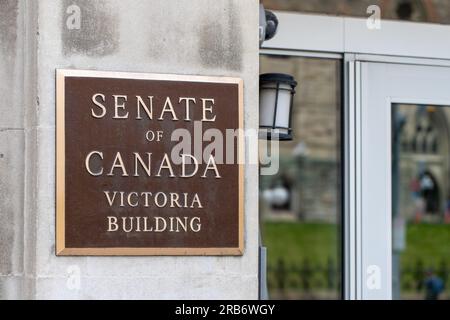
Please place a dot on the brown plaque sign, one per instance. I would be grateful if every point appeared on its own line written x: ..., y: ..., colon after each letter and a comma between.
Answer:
x: 148, y: 164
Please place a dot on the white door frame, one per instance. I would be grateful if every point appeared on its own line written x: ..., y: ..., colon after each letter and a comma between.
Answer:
x: 384, y: 84
x: 350, y: 39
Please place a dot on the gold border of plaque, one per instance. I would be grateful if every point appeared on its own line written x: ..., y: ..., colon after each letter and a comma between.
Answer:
x: 61, y: 249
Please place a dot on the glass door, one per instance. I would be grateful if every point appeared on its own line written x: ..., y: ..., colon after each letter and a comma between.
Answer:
x: 402, y: 116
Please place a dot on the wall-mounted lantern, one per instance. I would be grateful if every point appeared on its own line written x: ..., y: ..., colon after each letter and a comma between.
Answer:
x: 276, y: 90
x: 276, y: 96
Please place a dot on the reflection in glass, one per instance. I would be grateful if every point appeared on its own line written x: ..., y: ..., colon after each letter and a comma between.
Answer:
x: 410, y: 10
x: 420, y: 202
x: 300, y: 205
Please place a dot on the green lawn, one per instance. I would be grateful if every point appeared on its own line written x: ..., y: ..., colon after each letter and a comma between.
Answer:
x: 294, y: 242
x: 427, y: 242
x: 319, y: 241
x: 306, y: 249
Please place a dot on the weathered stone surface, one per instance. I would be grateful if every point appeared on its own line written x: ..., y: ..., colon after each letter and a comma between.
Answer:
x: 11, y: 207
x: 95, y: 34
x: 188, y: 37
x: 12, y: 147
x: 11, y: 64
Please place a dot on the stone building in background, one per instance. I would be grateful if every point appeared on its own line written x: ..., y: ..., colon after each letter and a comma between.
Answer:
x: 308, y: 164
x: 424, y: 161
x: 434, y: 11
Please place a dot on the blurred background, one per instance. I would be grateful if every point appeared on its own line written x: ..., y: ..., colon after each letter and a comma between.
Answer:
x: 433, y: 11
x: 301, y: 205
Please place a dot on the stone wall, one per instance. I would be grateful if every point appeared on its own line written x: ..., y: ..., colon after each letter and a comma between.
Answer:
x: 13, y: 60
x: 200, y: 37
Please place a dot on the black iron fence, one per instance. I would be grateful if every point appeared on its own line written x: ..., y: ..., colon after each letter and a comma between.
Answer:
x: 305, y: 276
x: 413, y: 276
x: 308, y: 276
